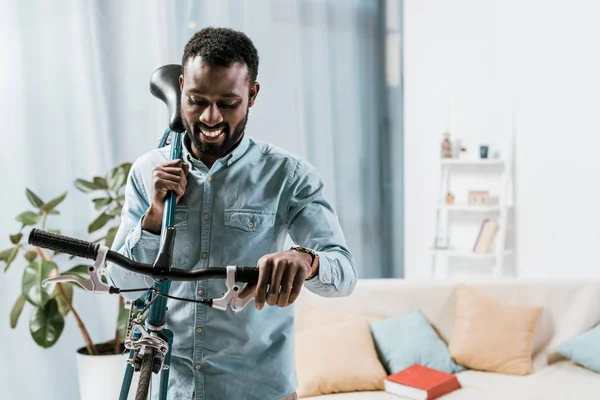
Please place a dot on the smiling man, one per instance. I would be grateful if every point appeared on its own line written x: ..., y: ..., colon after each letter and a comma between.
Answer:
x: 237, y: 201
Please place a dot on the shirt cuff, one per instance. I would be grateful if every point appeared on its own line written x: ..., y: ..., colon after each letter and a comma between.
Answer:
x: 324, y: 274
x: 142, y: 242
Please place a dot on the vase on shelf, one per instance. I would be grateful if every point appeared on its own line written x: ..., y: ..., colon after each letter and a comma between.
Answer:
x: 446, y: 146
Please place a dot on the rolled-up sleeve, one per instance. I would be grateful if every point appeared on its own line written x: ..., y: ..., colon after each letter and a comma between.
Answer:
x: 313, y: 223
x: 131, y: 240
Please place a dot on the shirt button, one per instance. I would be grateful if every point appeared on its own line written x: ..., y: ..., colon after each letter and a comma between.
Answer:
x: 199, y: 330
x: 198, y: 367
x: 209, y: 178
x: 250, y: 224
x: 201, y: 292
x: 206, y: 216
x: 324, y: 277
x: 229, y: 162
x: 204, y: 255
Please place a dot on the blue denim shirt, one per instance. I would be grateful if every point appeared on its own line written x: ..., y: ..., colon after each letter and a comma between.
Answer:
x: 242, y: 208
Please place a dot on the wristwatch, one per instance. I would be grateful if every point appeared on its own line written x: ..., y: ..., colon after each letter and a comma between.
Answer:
x: 314, y: 265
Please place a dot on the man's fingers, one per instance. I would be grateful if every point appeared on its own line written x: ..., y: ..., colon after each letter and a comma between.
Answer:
x: 166, y: 177
x: 247, y: 290
x: 176, y: 171
x: 264, y: 276
x: 286, y: 287
x: 279, y: 269
x: 296, y: 287
x: 171, y: 163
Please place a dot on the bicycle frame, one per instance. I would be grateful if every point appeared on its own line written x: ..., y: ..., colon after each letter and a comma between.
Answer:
x: 157, y: 311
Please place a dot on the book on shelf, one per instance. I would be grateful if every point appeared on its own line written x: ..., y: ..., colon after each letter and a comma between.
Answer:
x: 419, y: 382
x: 486, y: 237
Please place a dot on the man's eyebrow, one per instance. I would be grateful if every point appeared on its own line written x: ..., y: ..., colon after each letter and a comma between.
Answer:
x: 228, y: 95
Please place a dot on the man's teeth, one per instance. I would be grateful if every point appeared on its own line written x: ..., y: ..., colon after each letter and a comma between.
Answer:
x: 212, y: 133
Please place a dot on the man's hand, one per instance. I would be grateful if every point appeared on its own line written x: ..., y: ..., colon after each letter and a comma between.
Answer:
x: 167, y: 176
x: 280, y: 278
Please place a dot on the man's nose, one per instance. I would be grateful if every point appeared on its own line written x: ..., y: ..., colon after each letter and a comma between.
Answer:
x: 211, y: 116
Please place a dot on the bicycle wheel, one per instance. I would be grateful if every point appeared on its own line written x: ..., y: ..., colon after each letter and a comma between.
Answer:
x: 145, y: 375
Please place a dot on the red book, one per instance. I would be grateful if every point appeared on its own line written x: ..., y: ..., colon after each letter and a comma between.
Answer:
x: 421, y: 383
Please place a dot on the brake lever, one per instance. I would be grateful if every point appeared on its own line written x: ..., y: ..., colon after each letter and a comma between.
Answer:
x: 94, y: 284
x: 231, y: 296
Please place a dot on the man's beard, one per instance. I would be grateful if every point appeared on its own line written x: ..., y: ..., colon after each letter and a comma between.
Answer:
x: 230, y: 140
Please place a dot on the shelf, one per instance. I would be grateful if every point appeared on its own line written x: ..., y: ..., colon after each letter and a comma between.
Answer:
x: 468, y: 254
x: 466, y: 207
x: 477, y: 161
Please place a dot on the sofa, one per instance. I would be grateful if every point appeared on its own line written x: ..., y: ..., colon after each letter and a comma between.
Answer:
x: 559, y: 312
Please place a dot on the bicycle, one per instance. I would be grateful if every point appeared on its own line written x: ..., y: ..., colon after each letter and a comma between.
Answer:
x: 150, y: 342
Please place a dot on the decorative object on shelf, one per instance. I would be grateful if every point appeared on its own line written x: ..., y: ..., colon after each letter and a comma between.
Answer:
x: 449, y: 198
x: 487, y: 234
x: 483, y: 151
x: 446, y: 146
x: 479, y: 197
x: 463, y: 154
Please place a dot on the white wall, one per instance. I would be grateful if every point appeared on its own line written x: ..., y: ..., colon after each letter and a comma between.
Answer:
x: 540, y: 59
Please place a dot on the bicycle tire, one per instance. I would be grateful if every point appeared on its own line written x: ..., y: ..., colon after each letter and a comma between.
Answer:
x: 145, y: 375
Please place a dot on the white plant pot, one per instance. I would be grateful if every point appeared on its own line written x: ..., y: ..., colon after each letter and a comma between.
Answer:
x: 101, y: 377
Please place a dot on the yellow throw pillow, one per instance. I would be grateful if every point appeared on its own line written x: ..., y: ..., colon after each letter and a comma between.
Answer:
x: 336, y: 354
x: 490, y: 336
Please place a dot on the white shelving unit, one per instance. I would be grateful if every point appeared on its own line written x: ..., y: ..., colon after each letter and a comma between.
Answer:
x: 441, y: 252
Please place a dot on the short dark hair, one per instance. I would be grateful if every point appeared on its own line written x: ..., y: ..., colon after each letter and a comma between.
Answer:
x: 222, y: 47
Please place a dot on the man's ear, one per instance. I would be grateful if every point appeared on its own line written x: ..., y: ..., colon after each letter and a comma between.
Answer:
x: 181, y: 82
x: 253, y: 93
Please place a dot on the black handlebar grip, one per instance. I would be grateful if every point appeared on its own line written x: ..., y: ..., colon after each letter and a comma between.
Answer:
x: 246, y: 274
x: 63, y: 244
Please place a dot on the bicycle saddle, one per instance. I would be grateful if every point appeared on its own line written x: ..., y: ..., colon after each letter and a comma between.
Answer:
x: 164, y: 84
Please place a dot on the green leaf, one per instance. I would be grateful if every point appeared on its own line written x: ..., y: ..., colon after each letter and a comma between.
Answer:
x: 116, y: 178
x: 99, y: 222
x: 30, y: 256
x: 32, y: 282
x: 33, y: 199
x: 122, y: 321
x: 46, y: 324
x: 54, y: 212
x: 100, y: 182
x: 54, y: 202
x: 57, y: 231
x: 121, y: 198
x: 28, y: 218
x: 4, y: 254
x: 15, y: 313
x: 12, y: 254
x: 63, y: 308
x: 16, y: 238
x: 102, y: 202
x: 86, y: 186
x: 110, y: 237
x: 79, y: 270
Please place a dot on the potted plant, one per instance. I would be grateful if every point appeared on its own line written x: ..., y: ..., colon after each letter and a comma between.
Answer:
x: 98, y: 363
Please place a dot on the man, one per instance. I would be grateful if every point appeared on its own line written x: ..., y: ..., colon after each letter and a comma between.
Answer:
x: 237, y: 200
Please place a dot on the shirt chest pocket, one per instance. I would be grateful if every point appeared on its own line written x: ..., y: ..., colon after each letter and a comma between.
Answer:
x: 245, y: 234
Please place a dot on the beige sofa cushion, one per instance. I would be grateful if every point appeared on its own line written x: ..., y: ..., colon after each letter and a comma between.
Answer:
x: 336, y: 354
x: 491, y: 336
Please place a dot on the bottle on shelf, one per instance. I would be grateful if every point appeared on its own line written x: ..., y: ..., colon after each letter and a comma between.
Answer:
x: 446, y: 146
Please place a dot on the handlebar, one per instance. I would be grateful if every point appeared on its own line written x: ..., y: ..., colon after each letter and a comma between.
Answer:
x: 81, y: 248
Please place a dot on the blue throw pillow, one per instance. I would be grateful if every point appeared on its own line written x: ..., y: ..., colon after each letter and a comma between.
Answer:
x: 583, y: 349
x: 409, y: 339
